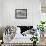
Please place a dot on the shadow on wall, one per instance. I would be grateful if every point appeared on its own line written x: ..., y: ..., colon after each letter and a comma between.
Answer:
x: 1, y: 32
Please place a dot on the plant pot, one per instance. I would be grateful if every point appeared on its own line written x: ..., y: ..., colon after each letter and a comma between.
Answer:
x: 34, y: 43
x: 42, y: 34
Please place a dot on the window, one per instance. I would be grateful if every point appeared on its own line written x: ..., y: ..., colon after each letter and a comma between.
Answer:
x: 43, y: 6
x: 43, y: 10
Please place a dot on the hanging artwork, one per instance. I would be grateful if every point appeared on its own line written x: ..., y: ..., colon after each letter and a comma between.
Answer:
x: 20, y: 13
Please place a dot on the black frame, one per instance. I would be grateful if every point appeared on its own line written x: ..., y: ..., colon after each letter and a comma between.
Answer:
x: 20, y: 13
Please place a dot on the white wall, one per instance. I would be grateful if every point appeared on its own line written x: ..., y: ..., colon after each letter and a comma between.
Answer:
x: 36, y: 12
x: 33, y: 12
x: 1, y: 12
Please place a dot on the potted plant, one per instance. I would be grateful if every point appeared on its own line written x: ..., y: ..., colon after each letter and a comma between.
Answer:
x: 41, y: 27
x: 34, y: 39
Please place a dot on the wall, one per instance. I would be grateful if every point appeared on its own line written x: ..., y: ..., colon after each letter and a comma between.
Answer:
x: 1, y: 12
x: 33, y: 12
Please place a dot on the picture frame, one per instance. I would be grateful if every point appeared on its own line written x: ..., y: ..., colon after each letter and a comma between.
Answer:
x: 20, y: 13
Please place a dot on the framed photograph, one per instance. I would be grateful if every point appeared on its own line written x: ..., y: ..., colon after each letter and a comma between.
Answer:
x: 21, y: 13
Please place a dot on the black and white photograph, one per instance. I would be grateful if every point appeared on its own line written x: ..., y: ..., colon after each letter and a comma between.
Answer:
x: 20, y: 13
